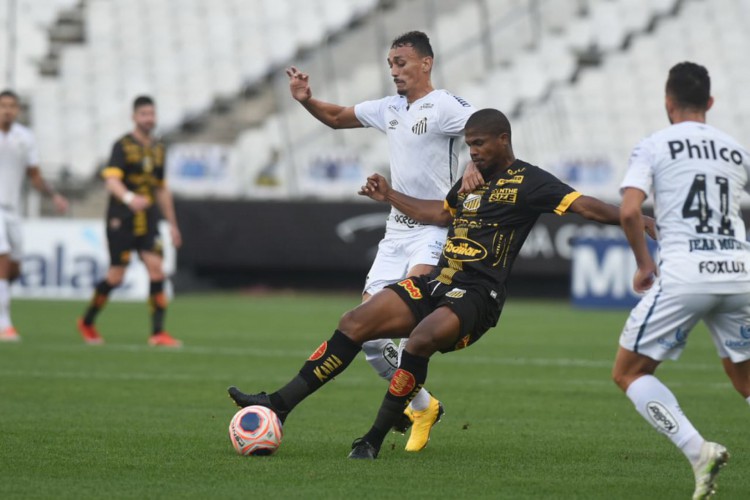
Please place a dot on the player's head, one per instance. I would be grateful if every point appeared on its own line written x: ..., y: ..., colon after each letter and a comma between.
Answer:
x: 487, y: 134
x: 144, y: 113
x: 410, y: 60
x: 688, y: 89
x: 9, y: 107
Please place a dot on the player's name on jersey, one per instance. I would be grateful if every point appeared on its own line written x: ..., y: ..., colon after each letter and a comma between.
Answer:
x: 706, y: 150
x: 722, y: 267
x: 708, y: 244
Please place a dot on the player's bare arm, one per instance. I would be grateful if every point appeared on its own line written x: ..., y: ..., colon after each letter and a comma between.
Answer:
x: 330, y: 114
x: 594, y: 209
x: 425, y: 211
x: 166, y: 205
x: 632, y: 223
x: 472, y: 179
x: 116, y: 187
x: 38, y: 182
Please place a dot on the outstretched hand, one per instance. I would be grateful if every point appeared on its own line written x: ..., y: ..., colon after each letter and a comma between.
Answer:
x: 299, y: 84
x: 377, y: 188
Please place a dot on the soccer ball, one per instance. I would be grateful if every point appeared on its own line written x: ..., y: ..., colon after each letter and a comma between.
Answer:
x: 255, y: 430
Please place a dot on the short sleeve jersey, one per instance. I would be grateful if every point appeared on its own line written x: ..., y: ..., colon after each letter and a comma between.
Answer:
x: 491, y: 223
x: 423, y: 140
x: 696, y: 174
x: 141, y: 169
x: 17, y: 153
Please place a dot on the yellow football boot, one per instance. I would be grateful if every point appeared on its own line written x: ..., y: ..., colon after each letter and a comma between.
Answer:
x: 422, y: 423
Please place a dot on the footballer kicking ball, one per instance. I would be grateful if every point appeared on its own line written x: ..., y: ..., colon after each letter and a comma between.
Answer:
x: 255, y: 430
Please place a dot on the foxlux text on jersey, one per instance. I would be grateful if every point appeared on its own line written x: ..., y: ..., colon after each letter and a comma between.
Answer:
x: 721, y: 267
x: 705, y: 151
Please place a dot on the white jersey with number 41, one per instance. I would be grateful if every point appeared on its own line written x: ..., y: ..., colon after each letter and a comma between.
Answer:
x: 696, y: 174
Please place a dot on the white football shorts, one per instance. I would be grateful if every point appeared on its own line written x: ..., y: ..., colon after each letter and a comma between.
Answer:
x: 658, y: 327
x: 11, y: 241
x: 399, y: 251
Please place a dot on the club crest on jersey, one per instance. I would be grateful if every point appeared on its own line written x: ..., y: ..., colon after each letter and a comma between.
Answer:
x: 410, y: 288
x: 464, y: 249
x: 504, y: 195
x: 472, y: 202
x: 420, y: 127
x: 402, y: 383
x: 318, y: 352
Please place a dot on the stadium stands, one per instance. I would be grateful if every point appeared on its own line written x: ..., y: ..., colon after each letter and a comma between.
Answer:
x: 555, y: 66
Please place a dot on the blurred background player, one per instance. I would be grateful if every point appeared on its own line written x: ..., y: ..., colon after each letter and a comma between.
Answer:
x: 696, y: 174
x: 135, y: 180
x: 423, y: 126
x: 18, y: 159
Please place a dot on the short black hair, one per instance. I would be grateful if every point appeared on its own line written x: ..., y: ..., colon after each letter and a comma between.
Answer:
x: 142, y: 100
x: 9, y: 93
x: 689, y: 85
x: 416, y: 39
x: 490, y: 121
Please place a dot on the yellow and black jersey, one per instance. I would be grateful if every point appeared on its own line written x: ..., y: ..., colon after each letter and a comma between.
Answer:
x: 141, y: 169
x: 491, y: 223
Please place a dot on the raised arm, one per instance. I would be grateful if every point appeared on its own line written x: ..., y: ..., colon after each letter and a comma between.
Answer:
x: 333, y: 115
x: 425, y: 211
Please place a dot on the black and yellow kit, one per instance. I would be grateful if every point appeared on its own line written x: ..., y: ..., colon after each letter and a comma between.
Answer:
x: 489, y: 227
x: 141, y: 169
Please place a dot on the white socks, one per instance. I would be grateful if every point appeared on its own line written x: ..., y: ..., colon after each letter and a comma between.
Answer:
x: 656, y: 403
x: 384, y: 357
x: 4, y: 304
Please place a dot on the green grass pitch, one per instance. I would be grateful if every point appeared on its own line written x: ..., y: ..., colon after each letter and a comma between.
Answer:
x: 530, y: 409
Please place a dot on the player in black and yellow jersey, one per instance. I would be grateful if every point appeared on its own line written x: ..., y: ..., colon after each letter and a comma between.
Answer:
x: 138, y: 198
x: 462, y: 298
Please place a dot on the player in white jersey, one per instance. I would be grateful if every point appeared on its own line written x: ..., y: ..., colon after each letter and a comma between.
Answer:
x: 696, y: 174
x: 18, y: 159
x: 424, y: 127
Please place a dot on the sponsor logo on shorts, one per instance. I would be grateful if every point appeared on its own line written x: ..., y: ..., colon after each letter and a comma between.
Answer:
x: 462, y: 342
x: 464, y: 249
x: 744, y: 343
x: 410, y: 288
x: 662, y: 418
x: 679, y: 340
x: 472, y: 202
x: 319, y: 352
x: 402, y: 383
x: 456, y: 293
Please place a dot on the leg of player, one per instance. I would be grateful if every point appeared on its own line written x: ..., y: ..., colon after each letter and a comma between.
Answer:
x: 438, y: 331
x: 634, y: 374
x: 157, y: 300
x: 383, y: 316
x: 7, y: 332
x: 86, y: 326
x: 739, y: 374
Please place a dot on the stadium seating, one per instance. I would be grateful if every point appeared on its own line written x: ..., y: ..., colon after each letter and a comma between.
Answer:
x: 555, y: 66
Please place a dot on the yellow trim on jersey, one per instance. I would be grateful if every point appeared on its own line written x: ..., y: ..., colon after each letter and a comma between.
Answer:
x: 565, y: 203
x: 113, y: 172
x: 449, y: 208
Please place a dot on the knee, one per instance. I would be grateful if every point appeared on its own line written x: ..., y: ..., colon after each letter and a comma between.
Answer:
x: 423, y: 344
x: 621, y: 379
x: 352, y: 326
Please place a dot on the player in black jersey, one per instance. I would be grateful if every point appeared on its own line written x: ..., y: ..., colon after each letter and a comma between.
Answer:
x: 138, y: 197
x: 461, y: 299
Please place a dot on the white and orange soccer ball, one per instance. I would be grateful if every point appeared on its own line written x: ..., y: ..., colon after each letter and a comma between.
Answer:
x: 255, y: 430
